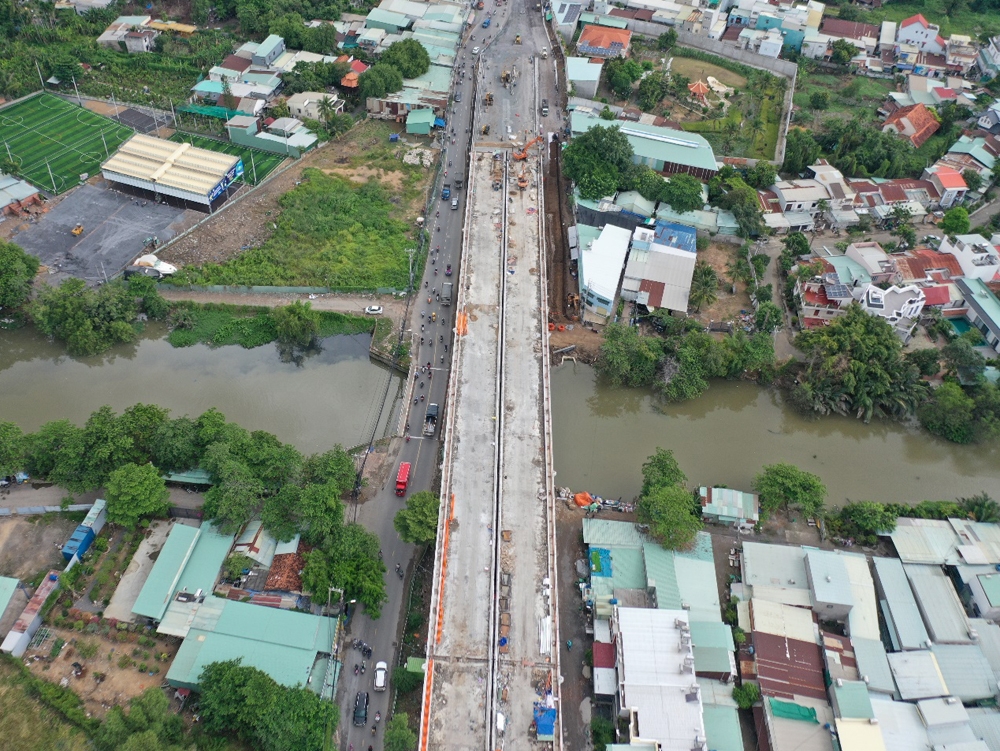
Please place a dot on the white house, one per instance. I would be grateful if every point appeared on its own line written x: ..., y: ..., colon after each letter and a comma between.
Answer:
x: 660, y: 266
x: 801, y: 195
x: 922, y: 34
x: 306, y: 104
x: 977, y: 256
x: 601, y: 261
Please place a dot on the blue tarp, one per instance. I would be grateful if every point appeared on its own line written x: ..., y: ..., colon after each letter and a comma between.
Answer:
x: 600, y: 562
x: 439, y: 123
x: 545, y: 722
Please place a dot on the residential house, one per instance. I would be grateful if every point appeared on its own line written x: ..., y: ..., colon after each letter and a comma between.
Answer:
x: 566, y: 18
x: 660, y: 266
x: 899, y: 306
x: 729, y: 507
x: 926, y: 265
x: 767, y: 43
x: 988, y: 60
x: 977, y: 256
x: 949, y: 183
x: 879, y: 265
x: 268, y: 51
x: 306, y: 104
x: 114, y: 35
x: 801, y: 195
x: 583, y: 75
x: 990, y: 119
x: 602, y: 258
x: 930, y: 64
x: 604, y: 42
x: 915, y: 123
x: 286, y: 135
x: 977, y: 153
x: 983, y: 310
x: 140, y: 41
x: 842, y: 196
x: 961, y: 54
x: 665, y: 150
x: 420, y: 122
x: 919, y: 32
x: 863, y: 36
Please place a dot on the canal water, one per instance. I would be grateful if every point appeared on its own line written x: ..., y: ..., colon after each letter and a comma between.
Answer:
x: 332, y: 396
x: 602, y: 437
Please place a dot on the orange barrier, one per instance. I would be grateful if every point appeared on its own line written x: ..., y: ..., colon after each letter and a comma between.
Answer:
x: 425, y: 725
x: 462, y: 324
x: 561, y: 327
x: 552, y: 327
x: 444, y: 569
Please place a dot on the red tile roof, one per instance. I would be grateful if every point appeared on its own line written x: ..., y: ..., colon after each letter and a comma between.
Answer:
x: 788, y: 667
x: 604, y: 37
x: 604, y: 655
x: 835, y: 27
x: 920, y: 119
x: 358, y: 67
x: 919, y: 19
x: 950, y: 178
x: 937, y: 295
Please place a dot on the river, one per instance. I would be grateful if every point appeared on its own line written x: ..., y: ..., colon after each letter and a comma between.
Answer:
x: 333, y: 396
x: 602, y: 437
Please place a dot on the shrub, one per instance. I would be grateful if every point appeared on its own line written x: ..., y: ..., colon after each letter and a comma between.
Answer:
x: 87, y: 649
x: 406, y: 680
x: 78, y: 625
x: 124, y: 662
x: 56, y: 648
x: 746, y: 695
x: 143, y: 667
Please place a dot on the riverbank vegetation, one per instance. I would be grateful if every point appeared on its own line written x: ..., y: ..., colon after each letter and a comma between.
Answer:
x: 254, y: 475
x: 666, y: 505
x: 332, y: 232
x: 862, y: 521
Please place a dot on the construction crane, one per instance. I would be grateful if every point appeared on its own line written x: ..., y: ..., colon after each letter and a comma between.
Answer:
x: 519, y: 155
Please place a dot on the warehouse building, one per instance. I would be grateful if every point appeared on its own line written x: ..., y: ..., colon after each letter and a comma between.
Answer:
x: 178, y: 170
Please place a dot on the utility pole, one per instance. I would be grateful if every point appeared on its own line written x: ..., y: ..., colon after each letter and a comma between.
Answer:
x: 50, y: 176
x: 78, y: 99
x: 41, y: 80
x: 106, y: 154
x: 253, y: 166
x: 410, y: 252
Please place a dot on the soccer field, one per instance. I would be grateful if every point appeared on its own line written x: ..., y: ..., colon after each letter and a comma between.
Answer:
x: 53, y: 141
x: 253, y: 159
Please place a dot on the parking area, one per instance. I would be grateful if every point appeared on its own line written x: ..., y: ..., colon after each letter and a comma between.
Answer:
x: 115, y: 225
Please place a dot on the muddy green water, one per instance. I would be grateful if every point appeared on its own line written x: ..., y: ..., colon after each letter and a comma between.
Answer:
x: 602, y: 436
x: 331, y: 397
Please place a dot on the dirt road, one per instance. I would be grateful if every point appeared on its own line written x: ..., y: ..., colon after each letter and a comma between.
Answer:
x: 394, y: 307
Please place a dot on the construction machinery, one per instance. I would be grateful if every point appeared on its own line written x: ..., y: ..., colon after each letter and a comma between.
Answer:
x: 517, y: 39
x: 522, y: 180
x: 77, y: 230
x: 573, y: 305
x: 505, y: 77
x: 488, y: 99
x: 520, y: 155
x: 485, y: 130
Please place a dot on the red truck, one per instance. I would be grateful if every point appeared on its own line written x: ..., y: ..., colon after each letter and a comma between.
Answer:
x: 402, y: 478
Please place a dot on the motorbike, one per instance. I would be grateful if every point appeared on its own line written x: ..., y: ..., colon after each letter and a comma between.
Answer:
x: 378, y: 717
x: 363, y: 666
x: 356, y: 668
x: 407, y: 439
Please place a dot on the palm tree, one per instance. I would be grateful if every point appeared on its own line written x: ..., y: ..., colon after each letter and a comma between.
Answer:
x: 326, y: 109
x: 729, y: 132
x: 981, y: 507
x: 704, y: 286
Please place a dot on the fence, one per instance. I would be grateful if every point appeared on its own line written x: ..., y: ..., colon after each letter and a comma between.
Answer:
x: 39, y: 510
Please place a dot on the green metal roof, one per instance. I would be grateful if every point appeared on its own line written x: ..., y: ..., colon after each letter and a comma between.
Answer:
x: 162, y: 580
x: 203, y: 567
x: 991, y: 586
x: 853, y: 700
x: 605, y: 533
x: 848, y: 270
x: 423, y: 116
x: 730, y: 503
x: 981, y: 299
x: 282, y: 643
x: 974, y: 147
x: 722, y: 728
x: 581, y: 69
x: 611, y: 21
x: 661, y: 576
x: 712, y: 660
x: 195, y: 476
x: 653, y: 142
x: 8, y: 587
x: 712, y: 634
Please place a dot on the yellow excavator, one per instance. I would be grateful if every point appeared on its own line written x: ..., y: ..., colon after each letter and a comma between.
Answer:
x: 485, y: 130
x: 519, y: 155
x: 77, y: 230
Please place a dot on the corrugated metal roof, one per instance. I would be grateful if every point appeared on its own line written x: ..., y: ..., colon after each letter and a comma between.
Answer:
x: 729, y: 502
x: 873, y: 665
x: 989, y: 643
x: 917, y: 675
x: 661, y: 575
x: 777, y: 573
x: 942, y: 711
x: 783, y: 620
x: 925, y: 541
x: 851, y: 699
x: 210, y: 551
x: 652, y: 142
x: 162, y: 581
x: 828, y: 574
x: 966, y: 672
x: 939, y: 605
x: 606, y: 533
x: 901, y: 726
x: 699, y: 590
x: 722, y: 728
x: 709, y: 634
x: 8, y: 587
x: 859, y: 735
x: 907, y: 625
x: 986, y: 724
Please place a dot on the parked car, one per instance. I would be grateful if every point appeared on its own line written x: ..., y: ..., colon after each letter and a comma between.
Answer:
x: 152, y: 273
x: 374, y: 310
x: 381, y: 673
x: 361, y: 709
x: 151, y: 261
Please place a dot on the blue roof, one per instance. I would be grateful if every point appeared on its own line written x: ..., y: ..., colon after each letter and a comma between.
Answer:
x: 676, y: 236
x: 8, y: 587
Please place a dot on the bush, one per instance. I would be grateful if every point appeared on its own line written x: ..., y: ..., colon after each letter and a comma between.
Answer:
x: 746, y: 695
x: 406, y: 680
x: 143, y: 667
x: 56, y: 648
x: 602, y: 730
x: 78, y: 625
x: 124, y: 662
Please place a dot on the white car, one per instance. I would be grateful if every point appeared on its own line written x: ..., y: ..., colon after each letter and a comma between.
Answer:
x: 381, y: 674
x: 374, y: 310
x: 150, y: 261
x: 475, y: 50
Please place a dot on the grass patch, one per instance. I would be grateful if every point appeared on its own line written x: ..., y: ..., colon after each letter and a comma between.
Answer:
x: 333, y: 233
x: 37, y: 714
x: 262, y: 162
x: 219, y: 325
x: 962, y: 21
x: 699, y: 70
x: 847, y: 94
x: 48, y: 133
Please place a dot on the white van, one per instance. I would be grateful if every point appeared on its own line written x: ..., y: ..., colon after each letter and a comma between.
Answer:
x: 381, y: 673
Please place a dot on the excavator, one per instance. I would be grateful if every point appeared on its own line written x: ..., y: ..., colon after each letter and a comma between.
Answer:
x: 519, y: 155
x: 522, y: 180
x: 488, y: 99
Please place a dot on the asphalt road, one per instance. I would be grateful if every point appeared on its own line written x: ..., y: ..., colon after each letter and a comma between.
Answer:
x: 377, y: 513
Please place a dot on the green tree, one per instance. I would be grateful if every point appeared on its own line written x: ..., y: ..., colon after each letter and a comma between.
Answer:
x: 398, y: 736
x: 843, y: 52
x: 409, y: 57
x: 334, y: 466
x: 670, y: 513
x: 980, y: 507
x: 236, y: 564
x: 107, y: 446
x: 869, y: 517
x: 349, y: 560
x: 801, y: 150
x: 785, y: 486
x: 704, y: 286
x: 683, y: 193
x: 227, y: 99
x: 626, y: 358
x: 950, y: 413
x: 12, y: 449
x: 598, y: 161
x: 246, y: 702
x: 379, y: 80
x: 768, y: 317
x: 962, y: 359
x: 661, y: 470
x: 955, y: 222
x: 819, y: 100
x: 926, y: 361
x: 973, y: 179
x: 762, y: 175
x: 149, y: 724
x: 175, y: 446
x: 297, y: 323
x: 136, y: 492
x: 652, y: 89
x: 621, y: 73
x: 236, y: 494
x: 17, y: 272
x: 666, y: 40
x: 418, y: 522
x: 141, y: 423
x: 55, y: 452
x: 607, y: 113
x: 746, y: 695
x: 855, y: 366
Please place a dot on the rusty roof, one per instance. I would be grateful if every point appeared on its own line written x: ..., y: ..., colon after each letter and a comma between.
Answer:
x: 286, y: 572
x: 787, y: 667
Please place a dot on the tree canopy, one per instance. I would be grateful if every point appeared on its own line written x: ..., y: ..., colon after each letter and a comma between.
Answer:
x: 12, y: 446
x: 855, y: 366
x: 247, y: 703
x: 398, y: 736
x: 409, y: 57
x: 627, y: 358
x: 17, y: 273
x: 598, y: 161
x: 683, y: 193
x: 136, y: 492
x: 379, y: 80
x: 670, y: 513
x: 661, y: 470
x: 418, y: 522
x: 785, y: 486
x: 955, y: 222
x: 148, y: 725
x: 801, y: 150
x: 621, y: 73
